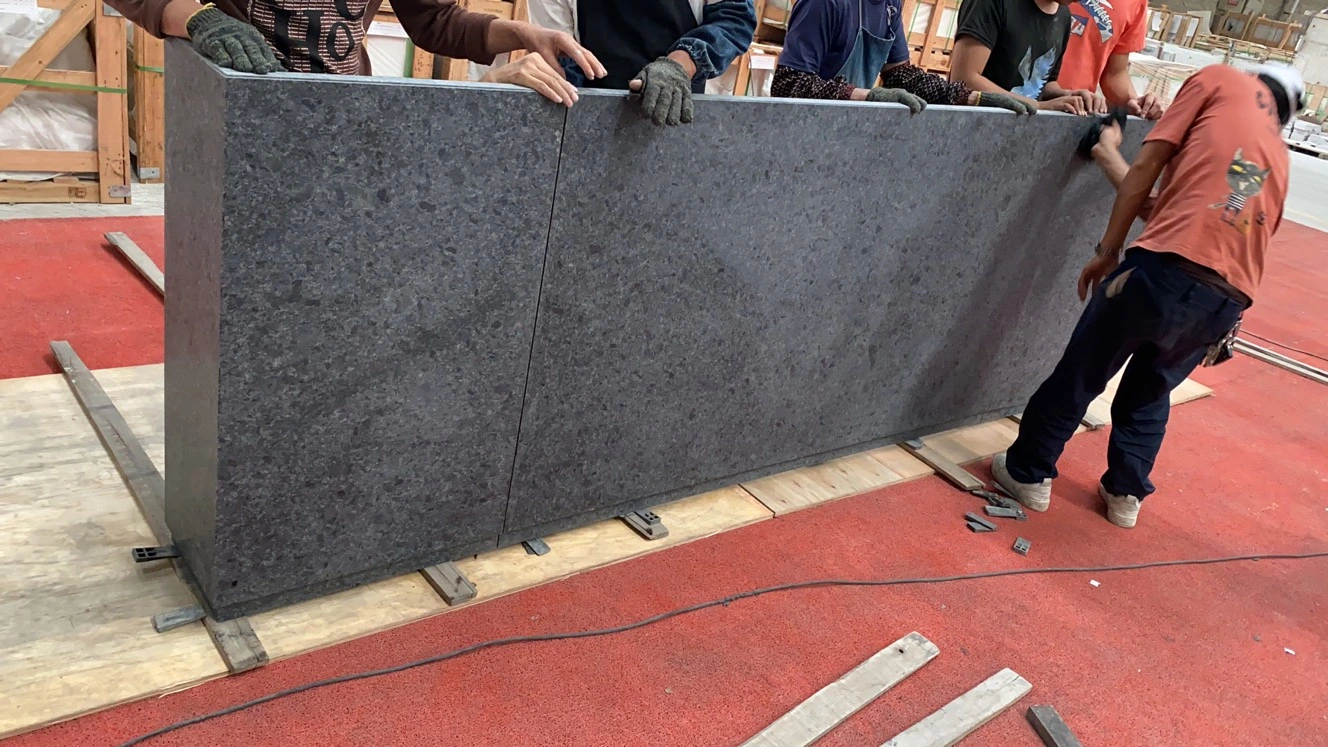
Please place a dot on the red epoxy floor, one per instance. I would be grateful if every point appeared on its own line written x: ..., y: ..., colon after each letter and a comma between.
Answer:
x: 1176, y: 656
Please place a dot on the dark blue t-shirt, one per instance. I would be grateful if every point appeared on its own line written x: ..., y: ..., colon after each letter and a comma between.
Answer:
x: 821, y: 33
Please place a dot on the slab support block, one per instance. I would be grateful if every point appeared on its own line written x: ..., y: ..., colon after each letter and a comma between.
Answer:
x: 647, y: 524
x: 177, y: 618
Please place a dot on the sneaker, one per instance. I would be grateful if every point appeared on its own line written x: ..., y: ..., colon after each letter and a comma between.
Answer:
x: 1122, y: 510
x: 1035, y: 496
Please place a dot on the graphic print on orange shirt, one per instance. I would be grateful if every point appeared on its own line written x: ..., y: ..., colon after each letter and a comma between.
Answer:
x: 1100, y: 12
x: 1246, y: 180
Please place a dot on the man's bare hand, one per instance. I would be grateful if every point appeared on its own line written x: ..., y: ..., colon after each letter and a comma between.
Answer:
x: 1108, y: 139
x: 1148, y: 106
x: 1097, y: 269
x: 534, y: 73
x: 1068, y: 104
x: 1094, y: 103
x: 554, y: 44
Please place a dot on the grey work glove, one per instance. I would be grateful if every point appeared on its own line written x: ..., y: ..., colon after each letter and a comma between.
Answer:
x: 230, y: 42
x: 666, y: 92
x: 897, y: 96
x: 1006, y: 101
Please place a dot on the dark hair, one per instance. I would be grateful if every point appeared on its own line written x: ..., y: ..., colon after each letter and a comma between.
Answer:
x: 1280, y: 96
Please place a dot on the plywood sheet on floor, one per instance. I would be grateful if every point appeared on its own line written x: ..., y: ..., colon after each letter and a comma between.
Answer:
x: 386, y: 604
x: 75, y: 629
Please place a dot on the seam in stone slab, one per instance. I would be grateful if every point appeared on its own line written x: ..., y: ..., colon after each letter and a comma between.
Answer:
x: 534, y: 334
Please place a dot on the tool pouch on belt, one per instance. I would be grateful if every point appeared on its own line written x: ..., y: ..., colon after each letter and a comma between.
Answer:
x: 1222, y: 350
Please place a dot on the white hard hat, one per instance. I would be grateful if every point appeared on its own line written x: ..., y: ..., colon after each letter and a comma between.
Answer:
x: 1289, y: 78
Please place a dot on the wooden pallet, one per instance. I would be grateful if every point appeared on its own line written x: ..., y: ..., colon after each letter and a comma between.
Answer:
x: 147, y: 118
x: 75, y: 634
x: 110, y: 161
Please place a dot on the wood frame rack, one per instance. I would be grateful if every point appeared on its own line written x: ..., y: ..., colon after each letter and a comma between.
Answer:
x: 110, y: 161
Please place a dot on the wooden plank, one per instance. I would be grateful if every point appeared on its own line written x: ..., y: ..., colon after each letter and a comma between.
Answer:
x: 814, y: 717
x: 66, y: 77
x: 965, y: 714
x: 32, y: 62
x: 127, y: 453
x: 25, y: 192
x: 839, y: 478
x: 141, y: 261
x: 450, y: 583
x: 1050, y: 728
x: 78, y: 161
x: 236, y: 642
x: 974, y: 442
x: 112, y: 109
x: 75, y: 628
x: 945, y: 467
x: 149, y: 114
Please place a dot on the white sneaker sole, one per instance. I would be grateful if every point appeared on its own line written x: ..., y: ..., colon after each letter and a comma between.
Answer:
x: 1123, y: 518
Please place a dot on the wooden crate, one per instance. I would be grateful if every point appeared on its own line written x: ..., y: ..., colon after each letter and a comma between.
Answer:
x: 930, y: 28
x: 110, y: 161
x: 147, y: 116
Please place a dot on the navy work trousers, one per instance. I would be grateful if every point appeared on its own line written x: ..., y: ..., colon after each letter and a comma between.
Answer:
x: 1157, y: 316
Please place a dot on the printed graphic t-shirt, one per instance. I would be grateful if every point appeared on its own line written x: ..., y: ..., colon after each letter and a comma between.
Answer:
x: 1026, y: 44
x: 1099, y: 29
x: 1223, y: 191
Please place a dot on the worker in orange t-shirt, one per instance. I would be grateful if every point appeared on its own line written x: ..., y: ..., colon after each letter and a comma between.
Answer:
x: 1182, y: 285
x: 1103, y: 33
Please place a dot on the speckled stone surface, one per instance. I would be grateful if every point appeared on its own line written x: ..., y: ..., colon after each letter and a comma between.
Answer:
x: 359, y: 307
x: 781, y: 282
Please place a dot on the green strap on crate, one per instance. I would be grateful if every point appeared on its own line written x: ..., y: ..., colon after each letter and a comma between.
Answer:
x: 408, y: 67
x: 63, y: 86
x: 149, y: 69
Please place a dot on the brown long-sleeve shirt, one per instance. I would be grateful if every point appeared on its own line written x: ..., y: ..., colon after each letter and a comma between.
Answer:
x: 327, y: 36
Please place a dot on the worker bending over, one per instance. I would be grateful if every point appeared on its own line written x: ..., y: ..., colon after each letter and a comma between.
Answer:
x: 666, y: 49
x: 327, y: 36
x: 1016, y: 46
x: 1103, y: 33
x: 1182, y: 286
x: 836, y: 49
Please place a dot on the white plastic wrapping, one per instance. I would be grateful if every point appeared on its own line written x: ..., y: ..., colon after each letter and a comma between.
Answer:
x: 42, y: 119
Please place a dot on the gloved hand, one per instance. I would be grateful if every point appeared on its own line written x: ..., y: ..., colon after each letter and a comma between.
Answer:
x: 666, y: 92
x: 230, y: 42
x: 1005, y: 101
x: 897, y: 96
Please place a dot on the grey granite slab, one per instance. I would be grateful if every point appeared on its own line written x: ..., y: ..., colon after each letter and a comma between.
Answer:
x: 783, y: 282
x: 354, y: 271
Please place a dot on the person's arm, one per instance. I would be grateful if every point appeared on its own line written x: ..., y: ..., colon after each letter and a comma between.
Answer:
x: 725, y: 32
x: 931, y: 87
x: 1133, y: 193
x: 445, y: 28
x: 796, y: 84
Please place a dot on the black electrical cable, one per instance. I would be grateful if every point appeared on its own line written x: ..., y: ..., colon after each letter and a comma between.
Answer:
x: 725, y: 601
x: 1283, y: 345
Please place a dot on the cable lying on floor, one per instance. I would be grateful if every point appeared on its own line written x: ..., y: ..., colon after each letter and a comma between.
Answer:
x: 724, y: 601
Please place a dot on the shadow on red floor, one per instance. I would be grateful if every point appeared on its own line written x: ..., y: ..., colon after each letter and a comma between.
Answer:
x: 1177, y: 656
x: 60, y: 280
